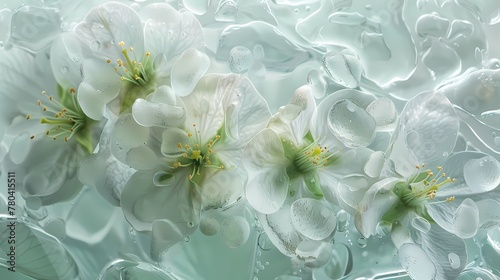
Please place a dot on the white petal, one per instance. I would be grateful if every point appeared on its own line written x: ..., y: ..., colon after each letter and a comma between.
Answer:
x: 303, y: 98
x: 142, y: 158
x: 220, y: 189
x: 312, y: 218
x: 466, y: 219
x: 266, y: 192
x: 66, y: 56
x: 374, y: 205
x: 126, y: 135
x: 102, y: 77
x: 169, y: 31
x: 278, y: 227
x: 142, y: 202
x: 187, y: 70
x: 430, y: 141
x: 163, y: 94
x: 265, y: 151
x: 445, y: 250
x: 106, y: 25
x: 164, y: 235
x: 20, y: 148
x: 171, y: 138
x: 149, y: 114
x: 416, y: 262
x: 91, y: 101
x: 315, y: 254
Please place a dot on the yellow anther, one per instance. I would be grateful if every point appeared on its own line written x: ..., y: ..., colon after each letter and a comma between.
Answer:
x: 210, y: 151
x: 32, y: 137
x: 131, y: 49
x: 194, y: 124
x: 190, y: 177
x: 217, y: 137
x: 39, y: 102
x: 121, y: 44
x: 116, y: 69
x: 50, y: 98
x: 190, y: 134
x: 221, y: 166
x: 108, y: 60
x: 176, y: 164
x: 47, y: 132
x: 450, y: 199
x: 443, y: 174
x: 72, y: 90
x: 184, y: 155
x: 136, y: 77
x: 148, y: 53
x: 179, y: 145
x: 122, y: 77
x: 417, y: 167
x: 187, y: 146
x: 28, y: 116
x: 66, y: 139
x: 196, y: 145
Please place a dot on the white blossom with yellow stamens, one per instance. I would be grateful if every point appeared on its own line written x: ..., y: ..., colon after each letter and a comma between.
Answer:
x: 419, y: 201
x: 192, y: 163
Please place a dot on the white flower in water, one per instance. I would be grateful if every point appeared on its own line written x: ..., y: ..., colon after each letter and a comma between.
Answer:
x: 51, y: 132
x: 418, y: 200
x: 292, y: 165
x: 189, y: 161
x: 123, y: 58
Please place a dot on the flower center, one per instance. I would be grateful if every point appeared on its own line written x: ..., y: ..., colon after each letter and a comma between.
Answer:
x: 136, y: 73
x: 313, y: 156
x: 197, y: 155
x: 65, y: 119
x: 133, y: 71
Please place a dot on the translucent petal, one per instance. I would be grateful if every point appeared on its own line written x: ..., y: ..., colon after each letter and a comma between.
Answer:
x: 126, y: 135
x: 20, y: 148
x: 66, y: 56
x: 430, y: 141
x: 171, y: 138
x: 164, y: 235
x: 142, y: 158
x: 300, y: 125
x: 374, y: 164
x: 92, y: 101
x: 315, y: 254
x: 240, y: 59
x: 187, y: 70
x: 149, y: 114
x: 220, y: 188
x: 384, y: 113
x: 266, y: 192
x: 312, y: 218
x: 280, y: 230
x: 416, y: 262
x: 38, y: 254
x: 351, y: 124
x: 235, y: 231
x: 106, y: 25
x: 466, y: 219
x: 209, y: 226
x: 343, y: 67
x: 90, y: 169
x: 169, y: 31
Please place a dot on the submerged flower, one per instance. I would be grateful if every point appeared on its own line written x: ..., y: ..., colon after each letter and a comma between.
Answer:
x: 189, y: 161
x: 52, y: 134
x: 298, y: 153
x: 123, y: 58
x: 293, y: 164
x: 419, y: 201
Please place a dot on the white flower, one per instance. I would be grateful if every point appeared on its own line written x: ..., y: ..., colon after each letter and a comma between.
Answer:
x: 418, y: 200
x: 51, y: 132
x: 190, y: 164
x: 123, y: 58
x: 292, y: 165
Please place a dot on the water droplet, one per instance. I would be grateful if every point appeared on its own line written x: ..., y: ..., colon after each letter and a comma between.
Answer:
x: 343, y: 67
x: 466, y: 219
x: 482, y: 175
x: 235, y: 231
x: 454, y: 260
x: 421, y: 224
x: 351, y: 124
x: 317, y: 83
x: 187, y: 239
x: 190, y: 224
x: 64, y: 69
x: 101, y: 26
x: 240, y: 59
x: 342, y: 221
x: 497, y: 141
x: 362, y: 242
x: 95, y: 45
x: 445, y: 154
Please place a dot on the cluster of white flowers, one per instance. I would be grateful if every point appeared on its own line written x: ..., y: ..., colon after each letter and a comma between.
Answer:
x: 175, y: 113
